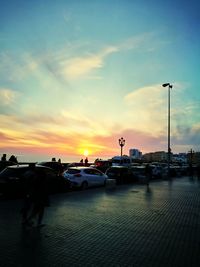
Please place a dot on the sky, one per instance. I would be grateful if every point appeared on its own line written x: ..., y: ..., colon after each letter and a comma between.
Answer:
x: 75, y: 76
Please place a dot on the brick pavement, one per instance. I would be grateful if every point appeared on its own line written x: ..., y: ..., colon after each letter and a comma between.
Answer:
x: 124, y: 227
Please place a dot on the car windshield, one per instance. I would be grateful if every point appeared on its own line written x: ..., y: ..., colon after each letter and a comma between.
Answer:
x: 73, y: 171
x: 93, y: 172
x: 113, y: 170
x: 116, y: 161
x: 11, y: 172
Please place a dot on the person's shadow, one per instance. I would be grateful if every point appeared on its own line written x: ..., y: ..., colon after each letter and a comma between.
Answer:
x: 148, y: 189
x: 30, y: 245
x: 148, y: 195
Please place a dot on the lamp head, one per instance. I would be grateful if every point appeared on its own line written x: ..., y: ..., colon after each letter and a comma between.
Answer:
x: 165, y: 84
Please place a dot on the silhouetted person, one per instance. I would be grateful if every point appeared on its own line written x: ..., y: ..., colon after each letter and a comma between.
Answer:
x: 13, y: 159
x: 29, y: 178
x: 53, y: 159
x: 3, y: 158
x: 86, y: 161
x: 148, y: 173
x: 59, y: 160
x: 39, y: 196
x: 191, y: 170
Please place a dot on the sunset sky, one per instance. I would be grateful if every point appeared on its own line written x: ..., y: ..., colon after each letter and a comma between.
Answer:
x: 77, y: 75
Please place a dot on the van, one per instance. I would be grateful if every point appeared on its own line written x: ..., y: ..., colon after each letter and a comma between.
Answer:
x: 121, y: 161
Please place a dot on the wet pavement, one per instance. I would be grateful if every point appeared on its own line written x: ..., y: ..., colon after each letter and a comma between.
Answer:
x: 127, y: 226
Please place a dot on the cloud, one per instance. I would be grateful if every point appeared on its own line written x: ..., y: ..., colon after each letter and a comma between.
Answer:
x: 51, y: 141
x: 64, y: 122
x: 136, y: 41
x: 71, y: 62
x: 4, y: 139
x: 77, y: 67
x: 146, y: 108
x: 74, y: 67
x: 7, y: 96
x: 187, y: 135
x: 80, y: 66
x: 17, y: 67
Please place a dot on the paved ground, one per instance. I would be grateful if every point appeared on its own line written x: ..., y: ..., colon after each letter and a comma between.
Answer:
x: 129, y: 226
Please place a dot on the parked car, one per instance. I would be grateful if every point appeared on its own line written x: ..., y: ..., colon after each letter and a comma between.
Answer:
x: 174, y: 171
x: 102, y: 165
x: 121, y: 161
x: 13, y: 180
x: 6, y: 163
x: 75, y: 164
x: 84, y: 177
x: 139, y: 172
x: 121, y: 174
x: 157, y: 171
x: 57, y: 166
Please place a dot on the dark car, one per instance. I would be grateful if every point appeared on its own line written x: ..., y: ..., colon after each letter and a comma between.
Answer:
x: 56, y: 166
x: 102, y: 165
x: 13, y: 180
x: 139, y: 173
x: 121, y: 174
x: 6, y: 163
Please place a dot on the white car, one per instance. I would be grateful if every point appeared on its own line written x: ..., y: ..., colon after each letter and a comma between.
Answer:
x: 83, y: 177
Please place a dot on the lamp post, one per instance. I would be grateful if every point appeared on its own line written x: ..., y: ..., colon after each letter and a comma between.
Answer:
x: 121, y: 143
x: 168, y: 145
x: 191, y: 155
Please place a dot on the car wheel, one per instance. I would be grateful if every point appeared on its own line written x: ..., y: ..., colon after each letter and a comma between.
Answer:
x: 84, y: 185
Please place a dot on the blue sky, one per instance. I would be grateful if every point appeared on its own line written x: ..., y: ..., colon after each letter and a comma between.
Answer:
x: 75, y: 76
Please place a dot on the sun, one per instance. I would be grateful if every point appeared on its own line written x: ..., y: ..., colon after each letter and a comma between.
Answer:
x: 86, y: 152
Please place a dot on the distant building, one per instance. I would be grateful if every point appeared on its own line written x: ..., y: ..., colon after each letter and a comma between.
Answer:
x: 135, y: 153
x: 155, y: 156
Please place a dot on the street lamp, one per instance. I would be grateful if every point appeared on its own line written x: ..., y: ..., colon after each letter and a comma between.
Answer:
x: 168, y: 149
x: 191, y: 155
x: 121, y: 143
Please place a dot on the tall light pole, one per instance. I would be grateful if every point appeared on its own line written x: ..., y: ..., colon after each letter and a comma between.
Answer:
x: 121, y: 143
x: 168, y: 145
x: 191, y: 155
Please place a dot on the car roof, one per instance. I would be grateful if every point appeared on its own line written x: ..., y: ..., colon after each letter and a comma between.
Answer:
x: 26, y: 166
x: 51, y: 162
x: 81, y: 167
x: 119, y: 167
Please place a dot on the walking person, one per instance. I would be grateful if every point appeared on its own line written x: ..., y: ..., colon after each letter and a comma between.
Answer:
x: 3, y: 158
x: 86, y: 161
x: 29, y: 178
x: 191, y: 170
x: 148, y: 173
x: 40, y: 198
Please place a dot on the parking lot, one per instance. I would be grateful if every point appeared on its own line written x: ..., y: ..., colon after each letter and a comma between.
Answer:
x: 126, y: 226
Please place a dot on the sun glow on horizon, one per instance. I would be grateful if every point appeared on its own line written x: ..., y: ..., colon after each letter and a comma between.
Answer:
x: 86, y: 153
